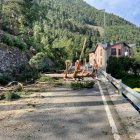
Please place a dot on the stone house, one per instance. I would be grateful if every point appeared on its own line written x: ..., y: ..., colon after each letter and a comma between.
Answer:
x: 114, y: 48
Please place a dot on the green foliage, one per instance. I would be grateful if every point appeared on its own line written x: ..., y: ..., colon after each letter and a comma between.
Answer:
x: 5, y: 79
x: 15, y: 96
x: 79, y: 86
x: 118, y: 67
x: 68, y: 22
x: 125, y: 62
x: 19, y: 44
x: 37, y: 60
x: 44, y: 78
x: 73, y: 20
x: 135, y: 66
x: 16, y: 13
x: 18, y: 88
x: 11, y: 95
x: 138, y: 83
x: 8, y: 40
x: 115, y: 68
x: 2, y: 96
x: 131, y: 81
x: 135, y: 63
x: 8, y: 96
x: 27, y: 74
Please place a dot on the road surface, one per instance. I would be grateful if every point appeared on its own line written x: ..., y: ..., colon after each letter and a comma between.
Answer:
x: 62, y: 115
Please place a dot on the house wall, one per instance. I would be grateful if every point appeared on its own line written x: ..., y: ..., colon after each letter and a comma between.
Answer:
x: 117, y: 47
x: 99, y: 55
x: 130, y: 50
x: 91, y: 58
x: 123, y: 48
x: 103, y: 57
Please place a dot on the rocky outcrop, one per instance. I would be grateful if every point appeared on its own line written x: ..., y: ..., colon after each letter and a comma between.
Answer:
x: 47, y: 62
x: 11, y: 58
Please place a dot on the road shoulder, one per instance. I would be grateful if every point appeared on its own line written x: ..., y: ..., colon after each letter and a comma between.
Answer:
x: 129, y: 116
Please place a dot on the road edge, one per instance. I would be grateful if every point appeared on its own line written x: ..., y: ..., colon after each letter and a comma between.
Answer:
x: 128, y: 115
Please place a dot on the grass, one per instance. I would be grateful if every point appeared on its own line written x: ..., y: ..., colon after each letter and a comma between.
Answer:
x: 131, y: 81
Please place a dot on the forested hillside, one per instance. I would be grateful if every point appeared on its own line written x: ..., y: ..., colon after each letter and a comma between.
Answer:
x: 61, y: 31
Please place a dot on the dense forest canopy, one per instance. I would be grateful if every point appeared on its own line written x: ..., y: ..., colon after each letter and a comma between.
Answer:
x: 60, y: 26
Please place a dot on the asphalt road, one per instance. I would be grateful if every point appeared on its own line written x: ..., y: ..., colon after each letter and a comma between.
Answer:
x: 65, y: 115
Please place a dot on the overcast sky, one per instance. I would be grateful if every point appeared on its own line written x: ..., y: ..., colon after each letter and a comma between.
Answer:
x: 127, y: 9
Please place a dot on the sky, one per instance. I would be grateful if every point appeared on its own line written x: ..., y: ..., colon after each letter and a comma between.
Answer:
x: 127, y: 9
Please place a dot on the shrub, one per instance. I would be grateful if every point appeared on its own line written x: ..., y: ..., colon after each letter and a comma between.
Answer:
x: 22, y: 46
x: 10, y: 95
x: 135, y: 66
x: 138, y: 83
x: 37, y: 60
x: 18, y: 88
x: 8, y: 40
x: 115, y: 67
x: 79, y: 86
x: 19, y: 44
x: 2, y: 96
x: 44, y: 78
x: 15, y: 96
x: 27, y: 73
x: 5, y: 79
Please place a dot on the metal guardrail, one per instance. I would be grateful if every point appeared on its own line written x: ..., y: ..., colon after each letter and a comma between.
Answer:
x: 122, y: 88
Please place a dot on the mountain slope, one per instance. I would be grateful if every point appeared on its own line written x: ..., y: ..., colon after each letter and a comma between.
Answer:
x: 62, y: 34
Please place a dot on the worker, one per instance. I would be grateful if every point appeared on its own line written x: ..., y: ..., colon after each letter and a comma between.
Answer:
x: 76, y: 63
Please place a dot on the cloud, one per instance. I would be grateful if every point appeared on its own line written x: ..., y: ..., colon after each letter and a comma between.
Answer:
x: 126, y: 9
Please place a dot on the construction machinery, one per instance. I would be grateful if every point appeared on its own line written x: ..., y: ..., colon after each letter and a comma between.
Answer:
x: 76, y: 73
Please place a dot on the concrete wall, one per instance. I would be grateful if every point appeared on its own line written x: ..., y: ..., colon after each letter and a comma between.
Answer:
x: 11, y: 58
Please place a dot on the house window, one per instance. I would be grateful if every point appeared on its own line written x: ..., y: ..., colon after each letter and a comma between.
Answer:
x: 101, y: 61
x: 113, y: 51
x: 119, y: 52
x: 101, y: 52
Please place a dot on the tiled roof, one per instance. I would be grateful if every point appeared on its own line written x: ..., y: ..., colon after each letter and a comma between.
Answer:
x: 91, y: 50
x: 103, y: 45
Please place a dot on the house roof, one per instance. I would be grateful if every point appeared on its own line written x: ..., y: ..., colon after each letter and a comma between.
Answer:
x: 132, y: 45
x: 109, y: 45
x: 91, y: 50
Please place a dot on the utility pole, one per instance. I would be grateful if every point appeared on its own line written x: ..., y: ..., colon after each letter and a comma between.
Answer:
x: 103, y: 10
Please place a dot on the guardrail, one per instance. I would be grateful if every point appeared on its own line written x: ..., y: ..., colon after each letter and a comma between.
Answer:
x: 122, y: 88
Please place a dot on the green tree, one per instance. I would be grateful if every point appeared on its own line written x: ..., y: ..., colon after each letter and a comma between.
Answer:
x: 16, y: 13
x: 37, y: 60
x: 114, y: 67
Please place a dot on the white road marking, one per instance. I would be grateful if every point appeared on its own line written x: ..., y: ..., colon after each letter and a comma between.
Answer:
x: 109, y: 115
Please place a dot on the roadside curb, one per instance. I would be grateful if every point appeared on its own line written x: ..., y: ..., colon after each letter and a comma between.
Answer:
x: 129, y: 116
